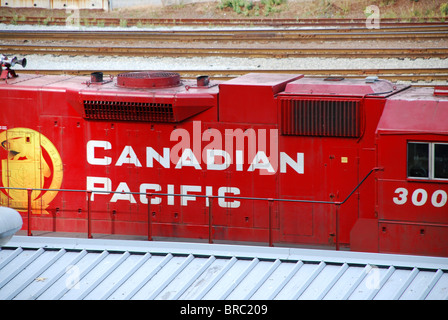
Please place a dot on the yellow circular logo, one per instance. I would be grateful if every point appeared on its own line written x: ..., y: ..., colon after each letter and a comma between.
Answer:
x: 31, y: 161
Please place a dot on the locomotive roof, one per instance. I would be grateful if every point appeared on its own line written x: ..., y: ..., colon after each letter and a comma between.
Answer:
x: 416, y: 109
x: 289, y: 83
x: 82, y: 83
x: 343, y: 87
x: 422, y: 93
x: 39, y: 268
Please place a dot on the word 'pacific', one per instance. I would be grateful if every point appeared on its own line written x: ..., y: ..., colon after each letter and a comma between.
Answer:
x: 103, y: 186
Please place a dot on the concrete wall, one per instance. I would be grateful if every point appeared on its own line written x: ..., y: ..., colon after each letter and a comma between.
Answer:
x: 117, y: 4
x: 57, y: 4
x: 106, y: 5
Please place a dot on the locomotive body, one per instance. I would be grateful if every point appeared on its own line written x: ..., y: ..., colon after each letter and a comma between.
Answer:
x: 301, y: 160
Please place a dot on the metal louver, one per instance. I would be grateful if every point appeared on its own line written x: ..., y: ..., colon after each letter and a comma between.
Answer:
x: 321, y: 117
x: 128, y: 111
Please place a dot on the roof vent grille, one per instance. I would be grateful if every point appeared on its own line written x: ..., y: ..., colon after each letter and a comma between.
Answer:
x: 128, y: 111
x: 321, y: 117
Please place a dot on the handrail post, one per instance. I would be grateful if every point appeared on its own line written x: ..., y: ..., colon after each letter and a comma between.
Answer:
x: 337, y: 226
x: 89, y: 226
x: 29, y: 191
x: 271, y: 202
x: 210, y: 217
x: 148, y: 197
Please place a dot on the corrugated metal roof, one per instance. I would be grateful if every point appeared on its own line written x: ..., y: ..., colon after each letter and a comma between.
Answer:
x: 69, y: 268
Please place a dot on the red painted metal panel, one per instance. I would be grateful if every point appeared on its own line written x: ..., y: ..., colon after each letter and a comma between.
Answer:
x: 341, y: 87
x: 412, y: 210
x: 364, y: 236
x: 413, y: 201
x: 258, y: 136
x: 415, y: 110
x: 255, y: 98
x: 420, y: 239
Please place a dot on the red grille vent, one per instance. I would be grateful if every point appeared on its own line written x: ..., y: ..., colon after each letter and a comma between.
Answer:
x: 128, y: 111
x: 321, y: 118
x: 148, y: 79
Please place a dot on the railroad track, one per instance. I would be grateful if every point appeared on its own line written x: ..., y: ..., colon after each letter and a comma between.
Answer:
x: 412, y: 75
x: 272, y: 42
x: 312, y: 34
x: 266, y: 52
x: 275, y: 22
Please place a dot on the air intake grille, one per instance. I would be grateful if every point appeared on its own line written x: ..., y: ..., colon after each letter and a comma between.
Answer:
x: 324, y: 118
x: 128, y: 111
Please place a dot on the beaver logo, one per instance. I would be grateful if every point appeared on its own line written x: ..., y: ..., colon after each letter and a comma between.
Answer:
x: 31, y: 161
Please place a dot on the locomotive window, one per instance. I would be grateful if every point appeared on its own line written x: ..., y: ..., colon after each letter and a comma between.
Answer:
x: 418, y: 160
x: 427, y: 160
x: 440, y: 161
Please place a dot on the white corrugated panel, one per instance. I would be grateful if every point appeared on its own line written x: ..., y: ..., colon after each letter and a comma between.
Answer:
x: 75, y: 269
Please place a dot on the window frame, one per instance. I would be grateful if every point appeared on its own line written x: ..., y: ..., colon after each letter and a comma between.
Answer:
x: 431, y: 161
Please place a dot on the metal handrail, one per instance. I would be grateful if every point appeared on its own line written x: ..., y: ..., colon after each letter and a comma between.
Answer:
x: 209, y: 198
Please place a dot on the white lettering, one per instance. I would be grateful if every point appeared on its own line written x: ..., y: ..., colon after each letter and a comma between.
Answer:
x: 170, y: 190
x: 151, y: 154
x: 435, y: 196
x: 92, y: 185
x: 185, y: 190
x: 402, y: 196
x: 420, y: 196
x: 128, y: 156
x: 239, y: 160
x: 223, y: 203
x: 244, y: 157
x: 297, y: 166
x: 123, y: 192
x: 419, y: 193
x: 261, y: 161
x: 144, y: 187
x: 188, y: 159
x: 92, y: 159
x: 123, y: 187
x: 193, y: 310
x: 211, y: 154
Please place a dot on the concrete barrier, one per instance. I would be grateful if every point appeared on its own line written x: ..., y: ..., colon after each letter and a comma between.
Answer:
x: 57, y: 4
x: 106, y: 5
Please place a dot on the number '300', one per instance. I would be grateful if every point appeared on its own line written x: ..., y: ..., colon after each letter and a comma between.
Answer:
x: 420, y: 196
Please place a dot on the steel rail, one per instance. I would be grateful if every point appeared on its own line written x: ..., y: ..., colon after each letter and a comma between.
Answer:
x: 311, y: 29
x: 428, y: 74
x: 88, y: 21
x: 271, y: 52
x: 436, y: 32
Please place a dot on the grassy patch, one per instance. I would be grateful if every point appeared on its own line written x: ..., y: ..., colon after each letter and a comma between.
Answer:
x: 249, y: 8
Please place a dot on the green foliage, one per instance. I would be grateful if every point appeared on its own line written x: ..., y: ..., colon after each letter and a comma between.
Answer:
x: 100, y: 23
x: 444, y: 8
x: 123, y: 23
x: 247, y: 7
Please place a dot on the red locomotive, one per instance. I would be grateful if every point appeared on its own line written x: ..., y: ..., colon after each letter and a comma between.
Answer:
x: 360, y: 164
